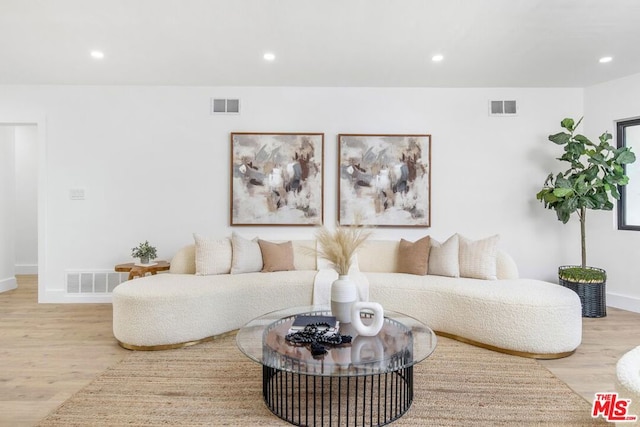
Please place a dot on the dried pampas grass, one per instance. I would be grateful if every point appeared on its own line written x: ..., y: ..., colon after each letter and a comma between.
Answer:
x: 339, y: 246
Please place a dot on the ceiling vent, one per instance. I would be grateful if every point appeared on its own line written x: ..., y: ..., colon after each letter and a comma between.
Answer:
x: 225, y: 106
x: 503, y: 108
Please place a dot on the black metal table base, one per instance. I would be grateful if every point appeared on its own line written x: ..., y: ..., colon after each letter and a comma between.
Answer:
x: 314, y: 400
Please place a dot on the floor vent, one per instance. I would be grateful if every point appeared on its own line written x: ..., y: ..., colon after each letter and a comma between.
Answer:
x: 93, y: 282
x: 503, y: 108
x: 225, y: 106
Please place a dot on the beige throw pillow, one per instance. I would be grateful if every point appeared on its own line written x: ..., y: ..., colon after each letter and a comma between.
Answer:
x: 276, y: 256
x: 247, y: 256
x: 443, y: 257
x: 478, y: 257
x: 212, y: 256
x: 413, y: 257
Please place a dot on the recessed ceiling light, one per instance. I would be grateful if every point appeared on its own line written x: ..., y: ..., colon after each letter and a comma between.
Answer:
x: 96, y: 54
x: 605, y: 59
x: 437, y: 58
x: 269, y: 56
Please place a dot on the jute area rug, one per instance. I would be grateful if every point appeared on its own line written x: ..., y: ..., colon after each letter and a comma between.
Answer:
x: 214, y: 384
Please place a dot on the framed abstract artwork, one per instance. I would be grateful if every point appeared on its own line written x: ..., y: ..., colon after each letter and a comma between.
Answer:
x: 277, y: 178
x: 384, y: 180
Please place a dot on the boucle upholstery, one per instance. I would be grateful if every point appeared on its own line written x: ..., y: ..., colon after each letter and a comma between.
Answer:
x: 184, y: 262
x: 628, y: 381
x: 176, y: 308
x: 525, y: 316
x: 518, y: 314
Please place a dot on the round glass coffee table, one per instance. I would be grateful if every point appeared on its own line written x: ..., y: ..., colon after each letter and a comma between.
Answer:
x: 366, y: 382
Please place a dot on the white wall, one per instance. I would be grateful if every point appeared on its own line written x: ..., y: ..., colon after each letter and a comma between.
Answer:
x: 618, y: 251
x: 26, y: 207
x: 109, y: 140
x: 7, y: 202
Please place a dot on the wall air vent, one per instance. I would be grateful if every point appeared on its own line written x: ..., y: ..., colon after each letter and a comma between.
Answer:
x: 93, y: 282
x: 225, y: 106
x: 503, y: 108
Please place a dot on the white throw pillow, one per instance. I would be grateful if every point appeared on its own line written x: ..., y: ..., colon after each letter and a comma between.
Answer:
x: 478, y: 257
x: 213, y: 256
x: 247, y: 256
x: 443, y: 257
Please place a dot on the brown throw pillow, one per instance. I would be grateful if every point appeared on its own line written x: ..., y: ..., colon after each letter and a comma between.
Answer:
x: 413, y: 258
x: 276, y: 256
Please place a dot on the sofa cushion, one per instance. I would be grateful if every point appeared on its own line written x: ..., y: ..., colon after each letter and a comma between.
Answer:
x: 304, y: 254
x: 379, y: 256
x: 212, y: 256
x: 247, y: 257
x: 184, y: 261
x: 478, y: 257
x: 413, y: 257
x: 276, y: 256
x: 506, y: 267
x: 443, y: 257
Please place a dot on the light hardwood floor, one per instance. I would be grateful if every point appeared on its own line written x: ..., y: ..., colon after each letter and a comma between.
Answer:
x: 50, y: 351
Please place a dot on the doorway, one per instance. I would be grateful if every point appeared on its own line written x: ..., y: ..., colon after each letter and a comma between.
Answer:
x: 21, y: 198
x: 26, y: 207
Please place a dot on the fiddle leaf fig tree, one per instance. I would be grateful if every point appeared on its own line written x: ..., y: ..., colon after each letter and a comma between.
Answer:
x: 596, y: 170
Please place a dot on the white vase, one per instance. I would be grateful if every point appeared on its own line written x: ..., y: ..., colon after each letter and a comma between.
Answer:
x: 343, y: 294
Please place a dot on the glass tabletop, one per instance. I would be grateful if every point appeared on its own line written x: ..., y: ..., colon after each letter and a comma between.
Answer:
x: 402, y: 342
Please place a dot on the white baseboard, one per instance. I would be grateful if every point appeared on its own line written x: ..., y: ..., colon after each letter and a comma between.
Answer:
x: 8, y: 284
x: 61, y: 297
x: 623, y: 302
x: 26, y: 268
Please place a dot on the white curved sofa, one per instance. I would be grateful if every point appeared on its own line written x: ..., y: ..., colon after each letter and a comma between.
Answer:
x: 628, y: 381
x: 518, y: 316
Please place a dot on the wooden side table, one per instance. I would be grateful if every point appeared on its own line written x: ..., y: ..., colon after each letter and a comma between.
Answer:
x: 140, y: 270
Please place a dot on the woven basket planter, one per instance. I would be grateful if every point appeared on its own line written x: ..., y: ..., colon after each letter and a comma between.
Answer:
x: 593, y: 295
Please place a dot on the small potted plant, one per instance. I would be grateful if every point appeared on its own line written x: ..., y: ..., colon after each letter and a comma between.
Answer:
x: 596, y: 171
x: 145, y: 252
